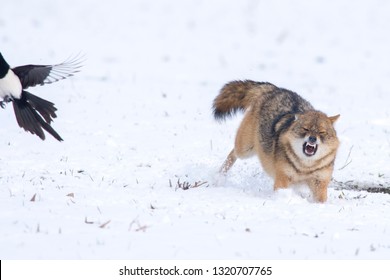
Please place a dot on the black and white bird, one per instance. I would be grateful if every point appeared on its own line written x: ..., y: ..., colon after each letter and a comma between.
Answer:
x: 33, y: 113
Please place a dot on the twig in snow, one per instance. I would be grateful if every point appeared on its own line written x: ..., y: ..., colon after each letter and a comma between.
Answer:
x: 88, y: 222
x: 33, y: 198
x: 139, y: 226
x: 348, y: 160
x: 104, y: 225
x: 186, y: 185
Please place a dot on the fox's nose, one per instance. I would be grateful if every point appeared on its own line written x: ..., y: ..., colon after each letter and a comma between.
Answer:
x: 312, y: 139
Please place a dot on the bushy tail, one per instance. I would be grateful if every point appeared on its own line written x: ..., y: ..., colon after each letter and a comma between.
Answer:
x: 30, y: 109
x: 237, y: 96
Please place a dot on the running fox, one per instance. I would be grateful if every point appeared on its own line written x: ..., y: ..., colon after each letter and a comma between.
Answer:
x: 294, y: 142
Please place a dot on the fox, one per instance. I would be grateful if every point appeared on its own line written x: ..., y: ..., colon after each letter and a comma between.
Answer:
x: 295, y: 143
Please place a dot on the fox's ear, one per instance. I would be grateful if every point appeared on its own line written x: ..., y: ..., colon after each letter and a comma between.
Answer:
x: 334, y: 118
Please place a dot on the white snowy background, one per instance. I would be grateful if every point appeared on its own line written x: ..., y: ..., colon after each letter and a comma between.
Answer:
x: 138, y: 127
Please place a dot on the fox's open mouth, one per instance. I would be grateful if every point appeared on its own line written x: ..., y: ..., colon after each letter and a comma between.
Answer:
x: 309, y: 149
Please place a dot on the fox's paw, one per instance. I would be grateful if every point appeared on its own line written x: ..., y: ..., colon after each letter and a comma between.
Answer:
x: 219, y: 179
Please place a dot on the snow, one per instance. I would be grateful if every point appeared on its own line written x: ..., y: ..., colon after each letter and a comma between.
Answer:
x: 138, y: 128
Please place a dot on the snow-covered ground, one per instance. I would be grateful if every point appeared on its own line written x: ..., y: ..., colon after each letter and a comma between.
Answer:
x: 138, y: 129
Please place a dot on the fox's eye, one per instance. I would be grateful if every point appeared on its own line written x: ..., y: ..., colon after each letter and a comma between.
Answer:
x: 305, y: 129
x: 322, y: 132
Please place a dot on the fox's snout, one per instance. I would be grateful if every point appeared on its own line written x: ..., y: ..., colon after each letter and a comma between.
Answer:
x: 312, y: 139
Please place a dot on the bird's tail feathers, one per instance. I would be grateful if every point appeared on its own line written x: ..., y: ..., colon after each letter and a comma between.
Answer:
x: 44, y: 107
x: 30, y: 109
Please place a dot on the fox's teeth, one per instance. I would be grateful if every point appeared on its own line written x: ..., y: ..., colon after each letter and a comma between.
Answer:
x: 309, y: 149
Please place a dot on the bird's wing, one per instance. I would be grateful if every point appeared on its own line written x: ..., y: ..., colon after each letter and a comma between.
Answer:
x: 32, y: 75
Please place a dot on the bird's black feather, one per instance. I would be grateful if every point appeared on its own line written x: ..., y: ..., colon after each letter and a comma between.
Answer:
x: 32, y: 75
x: 45, y: 108
x: 28, y: 118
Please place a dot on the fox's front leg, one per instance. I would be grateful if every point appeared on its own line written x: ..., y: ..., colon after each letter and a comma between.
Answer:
x: 319, y: 189
x: 282, y: 181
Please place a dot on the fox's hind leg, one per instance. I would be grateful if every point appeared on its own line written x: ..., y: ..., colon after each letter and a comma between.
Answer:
x: 244, y: 146
x: 244, y: 143
x: 229, y: 161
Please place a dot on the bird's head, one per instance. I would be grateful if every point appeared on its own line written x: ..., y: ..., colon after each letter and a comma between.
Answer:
x: 3, y: 66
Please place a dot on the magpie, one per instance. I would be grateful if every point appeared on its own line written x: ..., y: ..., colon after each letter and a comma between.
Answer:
x: 33, y: 113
